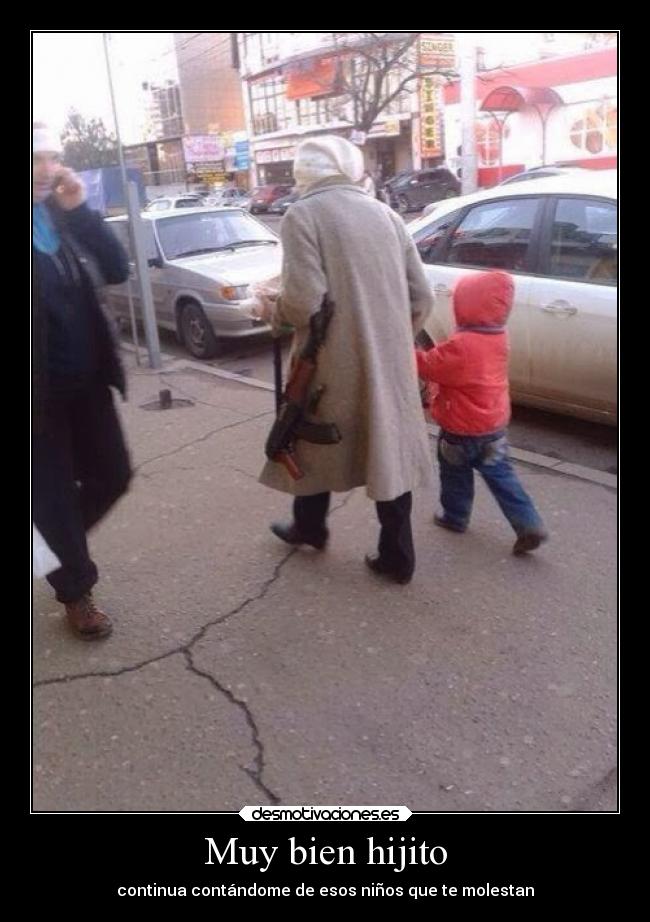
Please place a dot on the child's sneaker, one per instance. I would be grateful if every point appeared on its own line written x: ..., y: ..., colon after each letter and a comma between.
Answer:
x: 443, y: 522
x: 529, y: 541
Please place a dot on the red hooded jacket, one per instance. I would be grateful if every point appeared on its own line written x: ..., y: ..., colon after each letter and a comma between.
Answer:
x: 471, y: 367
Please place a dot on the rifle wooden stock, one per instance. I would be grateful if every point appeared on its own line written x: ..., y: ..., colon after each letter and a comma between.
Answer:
x: 290, y: 423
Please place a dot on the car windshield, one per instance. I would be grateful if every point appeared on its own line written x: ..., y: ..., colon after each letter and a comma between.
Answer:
x: 191, y: 234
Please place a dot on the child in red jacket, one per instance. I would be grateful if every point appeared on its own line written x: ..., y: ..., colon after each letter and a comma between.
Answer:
x: 471, y: 404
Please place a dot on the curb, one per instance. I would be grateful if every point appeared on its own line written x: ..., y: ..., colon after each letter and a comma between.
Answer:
x: 579, y: 471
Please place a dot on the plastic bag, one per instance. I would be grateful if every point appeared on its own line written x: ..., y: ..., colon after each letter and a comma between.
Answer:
x: 44, y: 560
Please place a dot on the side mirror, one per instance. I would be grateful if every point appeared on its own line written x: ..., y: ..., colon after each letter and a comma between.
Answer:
x: 155, y: 262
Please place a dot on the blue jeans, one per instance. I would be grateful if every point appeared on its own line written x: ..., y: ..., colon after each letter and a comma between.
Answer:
x: 459, y: 456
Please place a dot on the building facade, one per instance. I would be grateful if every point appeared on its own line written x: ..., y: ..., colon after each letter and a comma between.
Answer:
x: 561, y: 110
x: 210, y: 86
x: 215, y: 142
x: 164, y: 113
x: 292, y: 90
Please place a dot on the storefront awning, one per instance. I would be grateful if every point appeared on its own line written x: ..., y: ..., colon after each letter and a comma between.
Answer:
x: 515, y: 98
x: 504, y: 100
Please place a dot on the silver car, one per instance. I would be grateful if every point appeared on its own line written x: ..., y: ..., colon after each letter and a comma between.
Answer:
x: 201, y: 263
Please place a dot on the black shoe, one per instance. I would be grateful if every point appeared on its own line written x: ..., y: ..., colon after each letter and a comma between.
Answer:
x: 290, y: 534
x: 529, y: 541
x: 374, y: 563
x: 442, y: 522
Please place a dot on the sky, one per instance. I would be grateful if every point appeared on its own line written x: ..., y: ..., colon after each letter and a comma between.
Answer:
x: 69, y: 70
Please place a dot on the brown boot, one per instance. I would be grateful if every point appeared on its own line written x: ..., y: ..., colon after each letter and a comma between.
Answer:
x: 87, y: 620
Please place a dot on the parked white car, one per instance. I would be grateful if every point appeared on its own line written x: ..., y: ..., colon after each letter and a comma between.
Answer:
x: 557, y: 236
x: 170, y: 202
x: 201, y: 263
x: 239, y: 198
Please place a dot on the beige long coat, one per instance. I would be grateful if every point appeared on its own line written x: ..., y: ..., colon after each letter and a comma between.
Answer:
x: 337, y: 240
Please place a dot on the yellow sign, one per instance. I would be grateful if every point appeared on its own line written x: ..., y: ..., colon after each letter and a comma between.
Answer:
x: 437, y: 52
x: 430, y: 117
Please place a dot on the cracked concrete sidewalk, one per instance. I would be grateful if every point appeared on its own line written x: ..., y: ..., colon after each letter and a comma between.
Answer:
x: 244, y: 672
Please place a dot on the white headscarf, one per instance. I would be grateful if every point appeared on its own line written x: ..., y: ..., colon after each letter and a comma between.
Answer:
x: 320, y: 158
x: 45, y: 141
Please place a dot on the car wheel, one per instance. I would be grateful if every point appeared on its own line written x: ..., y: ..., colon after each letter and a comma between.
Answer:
x: 198, y: 335
x: 403, y: 204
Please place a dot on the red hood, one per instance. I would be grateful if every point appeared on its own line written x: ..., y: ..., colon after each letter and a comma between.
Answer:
x: 483, y: 299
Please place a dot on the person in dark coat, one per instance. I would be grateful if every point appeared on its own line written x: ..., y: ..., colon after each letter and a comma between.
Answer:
x: 80, y: 462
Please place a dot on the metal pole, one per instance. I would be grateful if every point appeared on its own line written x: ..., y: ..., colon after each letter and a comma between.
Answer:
x: 136, y: 234
x: 134, y: 325
x: 501, y: 127
x: 544, y: 117
x: 142, y: 268
x: 469, y: 177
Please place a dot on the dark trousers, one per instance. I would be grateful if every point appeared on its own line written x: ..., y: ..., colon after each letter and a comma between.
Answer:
x: 396, y: 549
x: 80, y: 467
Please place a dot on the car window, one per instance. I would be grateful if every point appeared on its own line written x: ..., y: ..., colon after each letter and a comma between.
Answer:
x: 429, y: 239
x: 151, y: 250
x: 211, y: 231
x: 188, y: 202
x: 121, y: 229
x: 495, y: 235
x: 584, y: 242
x: 160, y: 206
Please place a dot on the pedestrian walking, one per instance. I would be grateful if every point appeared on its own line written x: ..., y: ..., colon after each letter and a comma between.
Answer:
x: 469, y: 399
x: 80, y: 460
x: 342, y: 245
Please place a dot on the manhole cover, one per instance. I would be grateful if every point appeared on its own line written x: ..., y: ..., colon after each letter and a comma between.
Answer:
x: 165, y: 401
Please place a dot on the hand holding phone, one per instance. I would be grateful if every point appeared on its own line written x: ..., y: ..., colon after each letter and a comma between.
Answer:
x: 69, y: 190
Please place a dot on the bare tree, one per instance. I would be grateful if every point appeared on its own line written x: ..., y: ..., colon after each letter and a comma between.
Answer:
x: 375, y: 68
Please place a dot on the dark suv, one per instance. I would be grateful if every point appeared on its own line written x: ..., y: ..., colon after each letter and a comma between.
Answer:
x: 413, y: 190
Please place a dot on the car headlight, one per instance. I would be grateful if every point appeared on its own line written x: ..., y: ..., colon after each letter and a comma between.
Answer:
x: 233, y: 292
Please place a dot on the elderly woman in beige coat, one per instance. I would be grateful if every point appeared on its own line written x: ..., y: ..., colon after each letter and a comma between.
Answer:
x: 340, y: 242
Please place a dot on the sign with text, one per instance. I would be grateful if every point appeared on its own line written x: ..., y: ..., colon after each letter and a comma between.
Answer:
x: 437, y: 51
x: 431, y: 104
x: 203, y: 148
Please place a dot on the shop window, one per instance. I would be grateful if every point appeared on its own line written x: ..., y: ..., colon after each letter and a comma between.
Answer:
x: 596, y: 131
